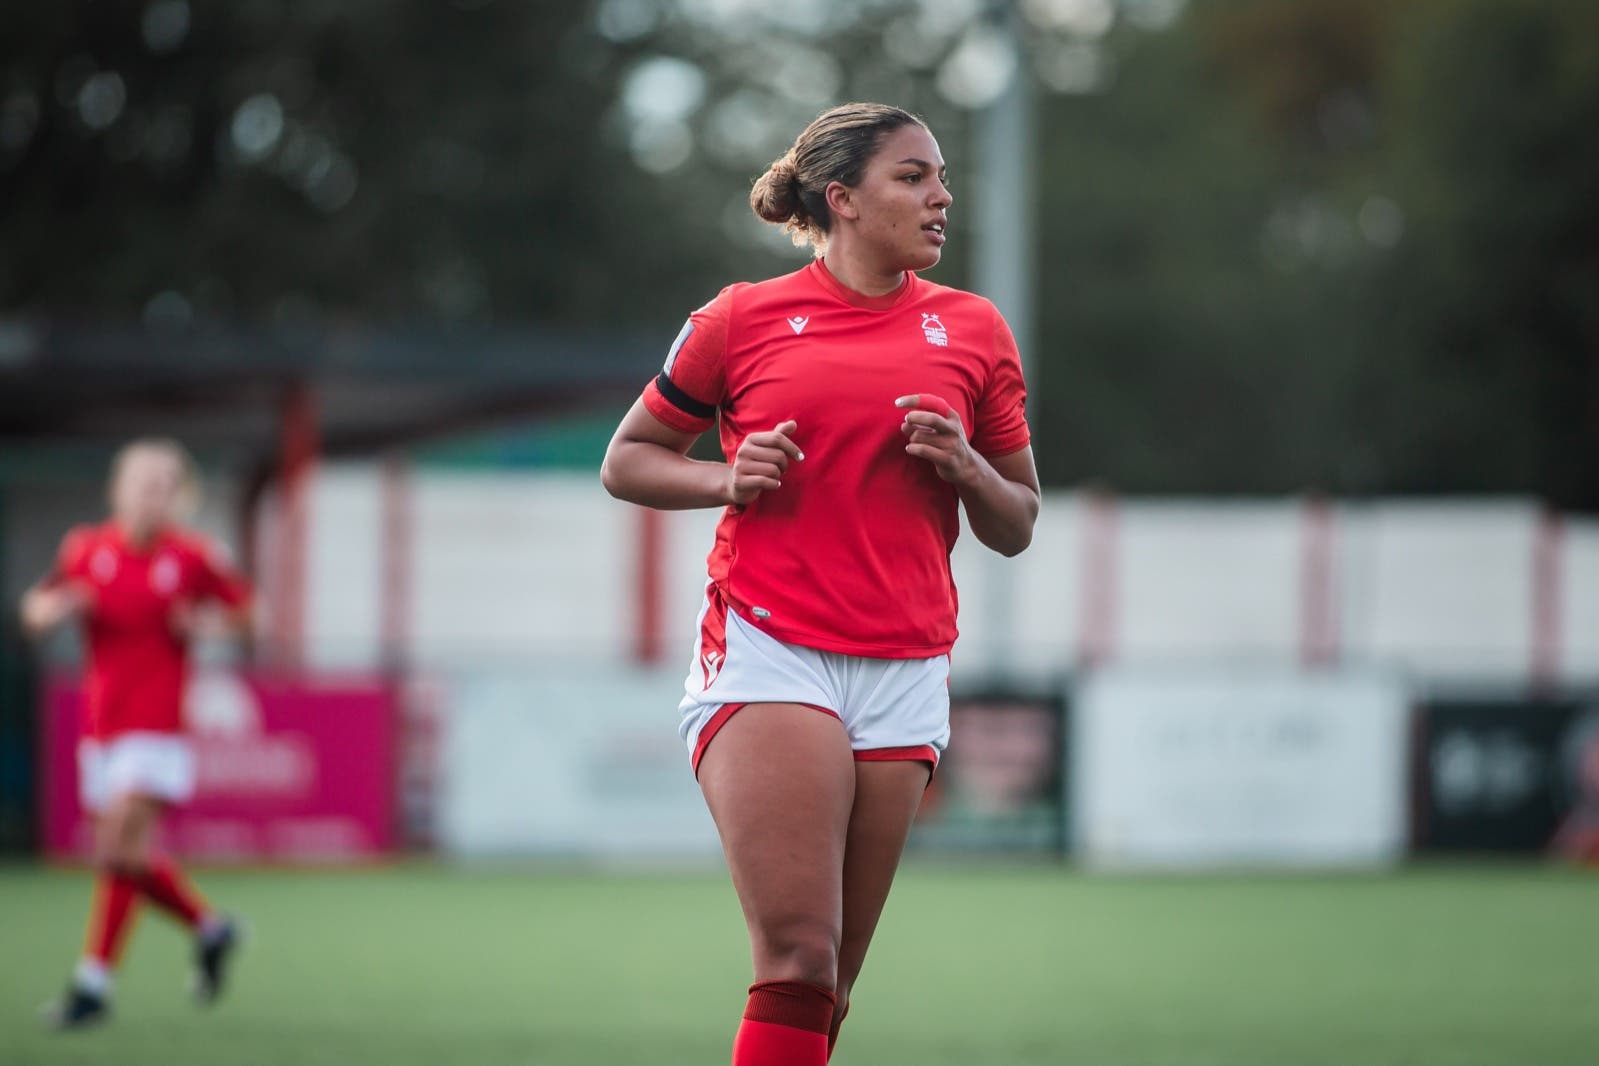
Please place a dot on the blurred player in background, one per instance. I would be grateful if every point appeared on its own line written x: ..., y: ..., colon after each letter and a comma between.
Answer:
x: 143, y: 588
x: 859, y: 407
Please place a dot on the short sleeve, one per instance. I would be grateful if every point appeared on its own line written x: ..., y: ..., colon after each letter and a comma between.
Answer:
x: 219, y: 579
x: 1002, y: 408
x: 72, y: 558
x: 690, y: 387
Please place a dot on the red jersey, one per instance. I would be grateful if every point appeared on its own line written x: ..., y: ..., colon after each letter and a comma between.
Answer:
x: 137, y: 662
x: 852, y: 553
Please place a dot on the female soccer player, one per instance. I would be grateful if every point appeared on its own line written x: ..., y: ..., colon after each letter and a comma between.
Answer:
x: 142, y: 587
x: 859, y: 406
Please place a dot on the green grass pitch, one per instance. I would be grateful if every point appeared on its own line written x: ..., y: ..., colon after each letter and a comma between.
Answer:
x: 1458, y: 966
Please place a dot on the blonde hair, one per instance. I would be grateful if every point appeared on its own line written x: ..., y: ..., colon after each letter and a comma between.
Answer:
x: 834, y: 147
x: 189, y: 488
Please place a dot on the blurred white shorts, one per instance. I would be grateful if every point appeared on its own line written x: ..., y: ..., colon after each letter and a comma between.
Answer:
x: 159, y: 765
x: 891, y: 708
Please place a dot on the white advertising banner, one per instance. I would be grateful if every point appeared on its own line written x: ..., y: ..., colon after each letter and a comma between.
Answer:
x: 590, y: 766
x: 1194, y: 769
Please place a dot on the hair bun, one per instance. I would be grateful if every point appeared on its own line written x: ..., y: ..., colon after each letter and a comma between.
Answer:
x: 776, y: 195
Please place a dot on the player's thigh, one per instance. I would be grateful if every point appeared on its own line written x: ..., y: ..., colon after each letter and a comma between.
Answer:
x: 887, y: 795
x: 780, y: 781
x: 128, y: 826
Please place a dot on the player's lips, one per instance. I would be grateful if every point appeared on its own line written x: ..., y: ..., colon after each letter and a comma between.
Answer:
x: 935, y: 229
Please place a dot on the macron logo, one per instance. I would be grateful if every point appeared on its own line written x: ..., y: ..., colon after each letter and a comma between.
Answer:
x: 713, y: 667
x: 798, y: 324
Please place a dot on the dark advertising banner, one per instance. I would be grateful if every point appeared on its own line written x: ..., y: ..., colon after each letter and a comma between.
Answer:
x: 999, y: 785
x: 1508, y: 776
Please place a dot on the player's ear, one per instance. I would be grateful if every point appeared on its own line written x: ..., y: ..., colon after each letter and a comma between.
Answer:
x: 841, y: 201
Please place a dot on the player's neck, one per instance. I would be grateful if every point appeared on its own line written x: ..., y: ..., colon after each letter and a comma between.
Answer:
x: 852, y: 272
x: 137, y: 537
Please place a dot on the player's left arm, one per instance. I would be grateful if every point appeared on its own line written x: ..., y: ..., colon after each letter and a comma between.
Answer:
x: 223, y: 600
x: 1000, y: 494
x: 992, y: 470
x: 1003, y: 507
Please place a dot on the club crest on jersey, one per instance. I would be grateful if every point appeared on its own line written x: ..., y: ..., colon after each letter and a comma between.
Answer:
x: 164, y: 575
x: 798, y: 323
x: 103, y: 566
x: 934, y: 330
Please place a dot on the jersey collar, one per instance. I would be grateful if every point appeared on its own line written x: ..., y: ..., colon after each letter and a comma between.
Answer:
x: 119, y: 540
x: 826, y: 280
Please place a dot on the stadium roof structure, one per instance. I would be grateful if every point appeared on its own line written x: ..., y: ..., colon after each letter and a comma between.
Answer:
x: 224, y: 389
x: 266, y: 403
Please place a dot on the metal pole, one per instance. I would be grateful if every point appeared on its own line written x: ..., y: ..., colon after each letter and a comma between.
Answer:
x: 1003, y: 253
x: 1003, y: 272
x: 299, y: 443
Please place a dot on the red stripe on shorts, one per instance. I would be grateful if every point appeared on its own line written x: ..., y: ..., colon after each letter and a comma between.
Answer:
x: 915, y: 753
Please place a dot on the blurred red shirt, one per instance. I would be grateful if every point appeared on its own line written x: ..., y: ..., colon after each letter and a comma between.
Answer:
x: 138, y: 660
x: 851, y: 554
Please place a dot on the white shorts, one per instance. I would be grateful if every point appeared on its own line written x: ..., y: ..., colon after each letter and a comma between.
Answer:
x: 159, y: 765
x: 891, y: 708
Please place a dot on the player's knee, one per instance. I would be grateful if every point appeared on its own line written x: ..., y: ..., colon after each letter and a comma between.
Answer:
x: 120, y: 862
x: 800, y: 949
x: 122, y: 851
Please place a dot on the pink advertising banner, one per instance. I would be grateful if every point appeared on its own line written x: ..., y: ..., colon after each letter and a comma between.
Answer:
x: 289, y: 769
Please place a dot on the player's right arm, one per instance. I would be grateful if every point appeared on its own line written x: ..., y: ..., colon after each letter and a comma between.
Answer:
x: 61, y: 595
x: 221, y: 606
x: 647, y: 461
x: 646, y: 464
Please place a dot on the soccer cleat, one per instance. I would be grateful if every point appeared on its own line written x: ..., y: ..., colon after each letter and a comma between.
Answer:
x: 76, y: 1009
x: 213, y: 950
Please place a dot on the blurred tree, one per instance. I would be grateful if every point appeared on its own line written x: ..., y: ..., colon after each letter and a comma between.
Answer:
x: 1489, y: 377
x: 283, y: 161
x: 1308, y: 71
x: 1197, y: 260
x: 1330, y: 245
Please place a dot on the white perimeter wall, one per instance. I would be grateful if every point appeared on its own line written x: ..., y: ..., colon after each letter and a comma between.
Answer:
x: 513, y: 569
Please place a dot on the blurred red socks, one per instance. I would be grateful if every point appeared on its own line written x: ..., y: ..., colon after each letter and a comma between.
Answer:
x: 112, y: 914
x: 114, y: 896
x: 168, y: 889
x: 786, y: 1023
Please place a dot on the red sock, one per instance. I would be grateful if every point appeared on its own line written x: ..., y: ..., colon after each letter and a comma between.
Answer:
x: 838, y: 1023
x: 785, y: 1024
x: 168, y: 889
x: 110, y: 918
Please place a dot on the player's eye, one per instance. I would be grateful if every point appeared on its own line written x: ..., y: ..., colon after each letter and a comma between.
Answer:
x: 912, y: 178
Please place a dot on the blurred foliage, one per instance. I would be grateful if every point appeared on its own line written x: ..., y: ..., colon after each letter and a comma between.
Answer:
x: 284, y: 161
x: 1333, y: 245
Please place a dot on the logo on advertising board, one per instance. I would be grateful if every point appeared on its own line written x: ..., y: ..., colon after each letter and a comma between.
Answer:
x: 1489, y: 771
x: 234, y: 756
x: 1509, y: 775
